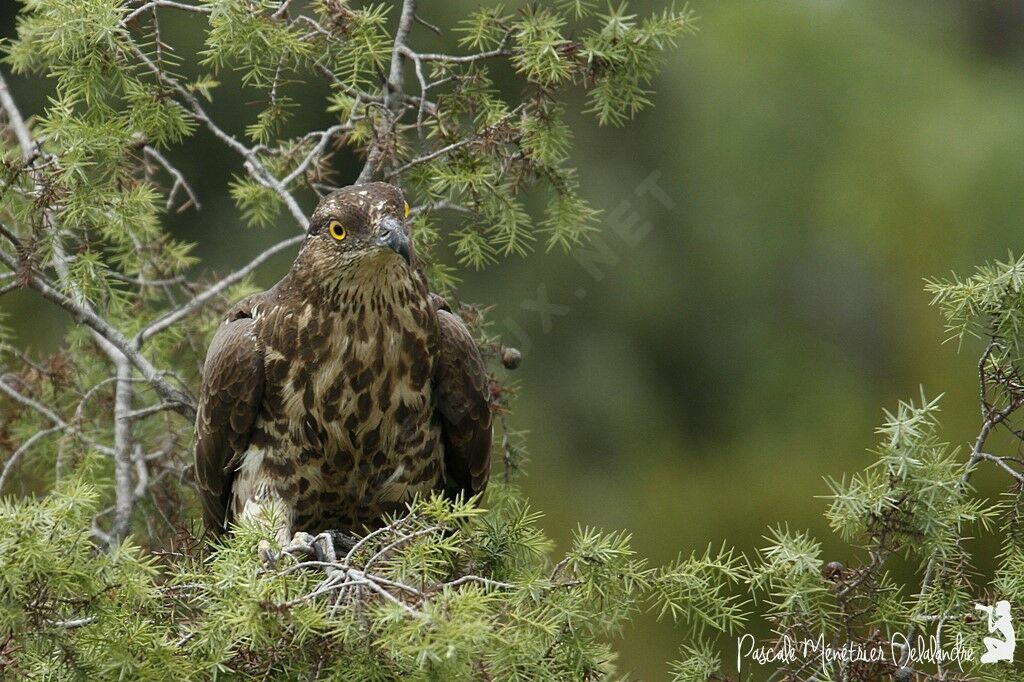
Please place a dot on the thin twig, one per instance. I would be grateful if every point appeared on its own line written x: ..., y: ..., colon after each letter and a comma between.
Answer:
x: 16, y: 123
x: 144, y: 412
x: 464, y: 59
x: 487, y: 582
x: 54, y: 419
x: 113, y: 336
x: 393, y: 92
x: 1001, y: 461
x: 153, y: 4
x: 455, y: 145
x: 252, y: 162
x: 180, y: 183
x: 142, y: 282
x: 423, y: 22
x: 16, y: 455
x: 72, y: 623
x: 199, y: 300
x: 314, y: 154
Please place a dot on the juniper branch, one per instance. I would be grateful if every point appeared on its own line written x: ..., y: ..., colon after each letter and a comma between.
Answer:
x: 448, y: 149
x: 171, y: 4
x: 22, y: 449
x: 184, y: 404
x: 201, y: 299
x: 252, y: 163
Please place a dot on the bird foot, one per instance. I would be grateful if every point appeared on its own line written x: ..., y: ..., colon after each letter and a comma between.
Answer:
x: 267, y: 554
x: 302, y: 546
x: 305, y: 546
x: 320, y: 547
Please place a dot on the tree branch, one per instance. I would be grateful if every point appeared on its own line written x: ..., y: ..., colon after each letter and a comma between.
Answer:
x: 113, y: 336
x: 201, y: 299
x: 252, y: 162
x: 16, y: 123
x: 180, y: 183
x: 153, y: 4
x: 455, y: 145
x: 55, y: 419
x: 393, y: 92
x: 37, y: 436
x: 315, y: 153
x: 124, y: 499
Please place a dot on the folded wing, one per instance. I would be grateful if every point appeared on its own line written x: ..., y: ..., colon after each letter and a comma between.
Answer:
x: 229, y: 401
x: 460, y: 381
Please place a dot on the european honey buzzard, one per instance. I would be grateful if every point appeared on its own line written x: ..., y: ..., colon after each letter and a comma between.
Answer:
x: 346, y: 388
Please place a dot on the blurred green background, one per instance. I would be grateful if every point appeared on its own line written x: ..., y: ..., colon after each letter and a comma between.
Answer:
x: 820, y: 159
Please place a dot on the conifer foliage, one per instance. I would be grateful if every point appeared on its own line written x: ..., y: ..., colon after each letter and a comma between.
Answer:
x: 101, y: 573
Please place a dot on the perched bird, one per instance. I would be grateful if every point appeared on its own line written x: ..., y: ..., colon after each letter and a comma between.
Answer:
x: 344, y: 390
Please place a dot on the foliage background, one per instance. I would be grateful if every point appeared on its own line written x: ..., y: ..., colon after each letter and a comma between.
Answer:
x: 823, y: 158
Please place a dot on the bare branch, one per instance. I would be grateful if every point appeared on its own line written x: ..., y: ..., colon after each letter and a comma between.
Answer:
x: 142, y: 282
x: 281, y: 10
x: 455, y: 145
x: 201, y: 299
x: 19, y: 397
x: 394, y: 85
x: 50, y: 415
x: 438, y: 206
x: 393, y: 93
x: 423, y: 22
x: 373, y: 159
x: 16, y: 123
x: 486, y: 582
x: 113, y: 336
x: 124, y: 498
x: 424, y: 86
x: 149, y: 411
x: 501, y: 51
x: 252, y: 162
x: 13, y: 459
x: 153, y: 4
x: 72, y: 623
x: 1001, y: 461
x: 179, y: 181
x: 315, y: 153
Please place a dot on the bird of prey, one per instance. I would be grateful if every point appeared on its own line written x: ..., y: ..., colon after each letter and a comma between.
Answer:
x: 347, y: 388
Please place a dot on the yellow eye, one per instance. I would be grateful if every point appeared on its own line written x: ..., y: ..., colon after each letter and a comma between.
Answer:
x: 407, y: 209
x: 337, y: 230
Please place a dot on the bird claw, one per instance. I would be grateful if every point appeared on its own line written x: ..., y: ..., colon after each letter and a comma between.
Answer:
x: 304, y: 545
x: 301, y: 544
x: 320, y: 547
x: 267, y: 554
x: 324, y: 546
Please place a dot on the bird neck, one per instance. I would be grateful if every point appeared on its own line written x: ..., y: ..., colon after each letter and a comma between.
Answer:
x: 365, y: 279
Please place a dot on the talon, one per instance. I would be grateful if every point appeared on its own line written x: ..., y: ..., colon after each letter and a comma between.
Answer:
x: 267, y: 553
x: 323, y: 545
x: 301, y: 544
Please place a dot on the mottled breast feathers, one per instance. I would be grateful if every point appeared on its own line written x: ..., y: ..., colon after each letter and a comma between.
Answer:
x: 347, y: 388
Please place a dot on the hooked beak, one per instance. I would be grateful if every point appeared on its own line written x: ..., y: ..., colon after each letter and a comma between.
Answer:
x: 390, y: 234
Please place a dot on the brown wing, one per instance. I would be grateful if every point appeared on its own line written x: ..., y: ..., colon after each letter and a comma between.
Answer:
x: 228, y: 403
x: 460, y: 384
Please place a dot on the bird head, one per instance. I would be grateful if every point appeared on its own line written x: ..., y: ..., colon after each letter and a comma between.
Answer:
x: 360, y: 228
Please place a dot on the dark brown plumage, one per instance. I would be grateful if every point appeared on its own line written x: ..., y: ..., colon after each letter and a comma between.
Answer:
x: 334, y: 397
